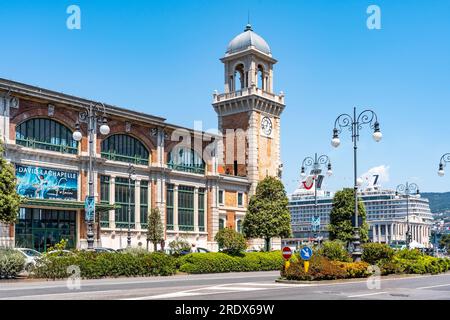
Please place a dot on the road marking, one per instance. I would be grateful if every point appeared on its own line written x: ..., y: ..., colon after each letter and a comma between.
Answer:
x: 441, y: 285
x: 126, y: 281
x: 366, y: 294
x: 218, y: 289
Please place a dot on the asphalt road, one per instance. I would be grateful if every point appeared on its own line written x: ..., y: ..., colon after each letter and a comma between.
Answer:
x: 230, y: 286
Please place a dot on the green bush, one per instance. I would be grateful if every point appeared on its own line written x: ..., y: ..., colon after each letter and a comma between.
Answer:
x: 374, y: 252
x: 11, y: 263
x: 215, y: 262
x: 334, y: 250
x: 106, y: 264
x: 388, y: 267
x: 355, y: 269
x: 321, y: 268
x: 415, y: 262
x: 230, y: 241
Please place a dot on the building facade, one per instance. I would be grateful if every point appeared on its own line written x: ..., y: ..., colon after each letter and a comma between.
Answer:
x: 200, y: 182
x: 386, y: 215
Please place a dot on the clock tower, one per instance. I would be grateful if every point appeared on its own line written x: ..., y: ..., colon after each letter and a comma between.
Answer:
x: 249, y: 111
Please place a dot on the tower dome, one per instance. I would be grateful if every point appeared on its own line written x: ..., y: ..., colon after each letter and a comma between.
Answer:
x: 248, y: 39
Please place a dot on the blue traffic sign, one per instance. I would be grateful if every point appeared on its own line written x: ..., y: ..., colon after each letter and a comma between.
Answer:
x: 306, y: 253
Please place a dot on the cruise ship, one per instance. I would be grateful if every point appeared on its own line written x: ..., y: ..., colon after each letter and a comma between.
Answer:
x: 386, y: 214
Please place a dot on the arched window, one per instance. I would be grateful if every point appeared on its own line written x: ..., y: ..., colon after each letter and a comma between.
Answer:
x: 260, y: 77
x: 124, y: 148
x: 47, y: 134
x: 239, y: 226
x: 239, y: 74
x: 185, y: 159
x: 221, y: 224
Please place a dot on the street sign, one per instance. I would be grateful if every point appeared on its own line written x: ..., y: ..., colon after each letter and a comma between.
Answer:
x: 287, y: 253
x: 306, y: 253
x: 89, y: 209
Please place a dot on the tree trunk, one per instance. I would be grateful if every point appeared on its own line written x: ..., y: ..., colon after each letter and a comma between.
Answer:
x: 147, y: 244
x: 155, y: 246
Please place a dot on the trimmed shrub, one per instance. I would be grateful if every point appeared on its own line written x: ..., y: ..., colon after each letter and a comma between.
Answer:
x: 375, y: 252
x: 321, y: 268
x: 106, y: 264
x: 230, y: 241
x: 215, y: 262
x: 415, y: 262
x: 356, y: 269
x: 11, y: 263
x: 388, y: 267
x: 334, y: 250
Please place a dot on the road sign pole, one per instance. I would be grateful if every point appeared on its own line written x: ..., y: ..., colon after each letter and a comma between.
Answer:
x: 306, y: 265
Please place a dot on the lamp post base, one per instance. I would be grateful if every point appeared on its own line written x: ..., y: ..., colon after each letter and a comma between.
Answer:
x: 129, y: 240
x: 357, y: 251
x: 90, y: 236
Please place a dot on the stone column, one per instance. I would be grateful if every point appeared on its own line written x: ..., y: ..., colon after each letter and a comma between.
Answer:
x: 379, y: 233
x: 175, y: 207
x: 392, y: 231
x: 374, y: 235
x: 137, y: 204
x: 112, y: 194
x: 196, y: 209
x: 386, y: 238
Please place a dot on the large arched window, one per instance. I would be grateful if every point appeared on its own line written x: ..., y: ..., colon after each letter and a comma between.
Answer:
x: 185, y: 159
x: 124, y: 148
x: 47, y: 134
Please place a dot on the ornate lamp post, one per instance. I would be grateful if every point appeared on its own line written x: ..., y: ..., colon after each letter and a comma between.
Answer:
x: 407, y: 190
x: 354, y: 124
x: 94, y: 115
x: 131, y: 176
x: 316, y: 165
x: 443, y: 163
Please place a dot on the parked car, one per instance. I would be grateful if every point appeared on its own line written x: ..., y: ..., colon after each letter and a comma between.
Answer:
x: 59, y: 253
x: 202, y: 250
x: 101, y: 250
x: 31, y: 257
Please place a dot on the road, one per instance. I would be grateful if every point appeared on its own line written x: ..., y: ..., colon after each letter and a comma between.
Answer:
x: 230, y: 286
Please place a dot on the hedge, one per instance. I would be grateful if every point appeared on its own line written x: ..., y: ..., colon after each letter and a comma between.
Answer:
x: 215, y: 262
x: 416, y: 262
x: 11, y: 263
x: 322, y: 268
x: 94, y: 265
x: 375, y: 252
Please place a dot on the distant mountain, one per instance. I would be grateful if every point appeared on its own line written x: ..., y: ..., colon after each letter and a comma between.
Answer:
x: 439, y: 202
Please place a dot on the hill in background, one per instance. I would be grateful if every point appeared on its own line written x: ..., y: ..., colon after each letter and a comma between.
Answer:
x: 439, y: 202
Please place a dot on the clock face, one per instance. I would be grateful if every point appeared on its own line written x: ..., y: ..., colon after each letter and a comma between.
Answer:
x: 266, y: 126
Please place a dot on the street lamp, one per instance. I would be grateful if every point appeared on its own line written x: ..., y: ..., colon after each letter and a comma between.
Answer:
x: 94, y: 115
x: 407, y: 189
x: 442, y: 164
x: 131, y: 176
x: 316, y: 164
x: 354, y: 124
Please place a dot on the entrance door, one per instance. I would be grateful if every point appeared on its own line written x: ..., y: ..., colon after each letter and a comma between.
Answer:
x: 41, y: 229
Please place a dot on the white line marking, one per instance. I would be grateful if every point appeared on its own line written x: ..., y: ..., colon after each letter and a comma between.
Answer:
x: 366, y: 294
x: 441, y: 285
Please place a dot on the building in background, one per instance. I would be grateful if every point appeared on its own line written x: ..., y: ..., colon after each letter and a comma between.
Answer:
x: 386, y: 215
x: 199, y: 187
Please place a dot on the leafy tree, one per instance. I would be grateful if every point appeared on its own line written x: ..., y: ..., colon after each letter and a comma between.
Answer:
x: 268, y: 215
x: 445, y: 241
x: 231, y: 241
x: 155, y: 229
x: 9, y: 199
x: 341, y: 215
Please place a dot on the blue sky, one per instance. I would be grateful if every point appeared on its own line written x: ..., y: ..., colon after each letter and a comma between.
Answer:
x: 162, y: 58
